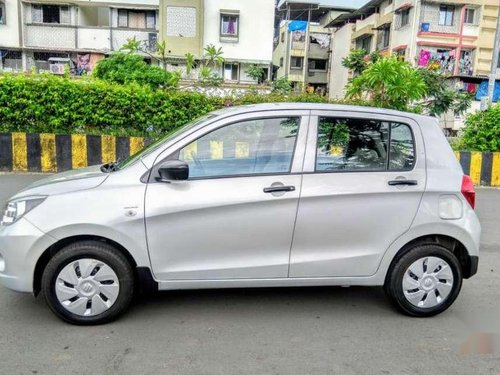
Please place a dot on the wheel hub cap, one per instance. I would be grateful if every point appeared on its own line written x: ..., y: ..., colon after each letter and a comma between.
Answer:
x: 428, y: 282
x: 87, y: 287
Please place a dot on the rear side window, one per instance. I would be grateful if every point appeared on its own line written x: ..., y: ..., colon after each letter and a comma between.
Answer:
x: 352, y: 144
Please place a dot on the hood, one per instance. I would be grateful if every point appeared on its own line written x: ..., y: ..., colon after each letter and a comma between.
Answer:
x: 65, y: 182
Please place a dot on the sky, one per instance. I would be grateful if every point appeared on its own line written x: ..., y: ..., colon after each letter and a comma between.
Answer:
x: 348, y: 4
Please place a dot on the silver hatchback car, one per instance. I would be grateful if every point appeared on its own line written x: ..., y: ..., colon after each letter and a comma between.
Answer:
x: 255, y: 196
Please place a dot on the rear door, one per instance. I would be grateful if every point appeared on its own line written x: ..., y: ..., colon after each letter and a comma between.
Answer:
x: 364, y: 176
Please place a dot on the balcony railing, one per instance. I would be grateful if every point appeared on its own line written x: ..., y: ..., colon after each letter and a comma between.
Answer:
x: 50, y: 36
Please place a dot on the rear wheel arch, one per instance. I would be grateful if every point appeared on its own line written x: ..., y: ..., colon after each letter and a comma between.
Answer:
x: 449, y: 243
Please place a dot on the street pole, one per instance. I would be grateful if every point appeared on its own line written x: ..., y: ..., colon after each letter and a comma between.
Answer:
x: 494, y: 61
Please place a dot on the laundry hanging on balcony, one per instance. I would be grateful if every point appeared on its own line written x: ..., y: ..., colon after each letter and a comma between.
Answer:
x: 322, y: 39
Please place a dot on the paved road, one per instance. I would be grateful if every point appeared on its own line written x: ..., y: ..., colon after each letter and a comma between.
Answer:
x: 271, y: 331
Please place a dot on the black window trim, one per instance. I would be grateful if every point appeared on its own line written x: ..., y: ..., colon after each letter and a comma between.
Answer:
x: 153, y: 172
x: 386, y: 169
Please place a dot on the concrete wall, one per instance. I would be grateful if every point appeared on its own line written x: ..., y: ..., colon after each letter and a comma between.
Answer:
x: 256, y: 29
x: 338, y: 74
x: 9, y: 32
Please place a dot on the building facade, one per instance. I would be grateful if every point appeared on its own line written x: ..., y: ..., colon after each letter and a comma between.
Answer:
x: 303, y: 45
x: 454, y: 37
x: 38, y: 34
x: 242, y: 29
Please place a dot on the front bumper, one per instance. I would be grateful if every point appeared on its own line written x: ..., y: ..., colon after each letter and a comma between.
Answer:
x: 21, y: 245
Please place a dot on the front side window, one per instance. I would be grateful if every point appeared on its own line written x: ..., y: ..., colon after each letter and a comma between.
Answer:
x: 446, y: 15
x: 253, y: 147
x: 350, y: 144
x: 229, y: 24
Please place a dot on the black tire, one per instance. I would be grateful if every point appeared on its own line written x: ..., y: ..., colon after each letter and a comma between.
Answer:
x: 394, y: 280
x: 102, y: 252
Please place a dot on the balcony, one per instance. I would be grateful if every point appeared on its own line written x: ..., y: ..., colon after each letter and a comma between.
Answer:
x: 120, y: 36
x: 50, y: 36
x: 94, y: 38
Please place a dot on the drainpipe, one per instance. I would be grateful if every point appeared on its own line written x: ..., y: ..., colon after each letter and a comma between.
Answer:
x: 77, y: 21
x: 460, y: 41
x: 494, y: 61
x: 306, y: 50
x: 111, y: 29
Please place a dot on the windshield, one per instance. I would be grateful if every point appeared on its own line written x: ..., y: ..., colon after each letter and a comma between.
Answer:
x: 156, y: 144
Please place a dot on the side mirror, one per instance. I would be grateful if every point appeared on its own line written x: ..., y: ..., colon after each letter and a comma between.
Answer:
x: 173, y: 170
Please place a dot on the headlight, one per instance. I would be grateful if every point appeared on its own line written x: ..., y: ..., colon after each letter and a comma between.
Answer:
x: 17, y: 208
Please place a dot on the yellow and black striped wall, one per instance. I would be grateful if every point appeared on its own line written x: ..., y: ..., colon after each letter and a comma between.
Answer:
x: 22, y: 152
x: 482, y: 167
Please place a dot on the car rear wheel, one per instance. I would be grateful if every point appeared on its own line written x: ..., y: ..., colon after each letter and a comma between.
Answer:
x: 88, y: 282
x: 425, y: 281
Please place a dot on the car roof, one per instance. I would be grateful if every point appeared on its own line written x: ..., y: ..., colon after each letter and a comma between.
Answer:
x: 234, y: 110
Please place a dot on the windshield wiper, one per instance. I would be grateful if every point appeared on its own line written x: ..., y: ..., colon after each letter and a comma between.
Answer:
x: 110, y: 167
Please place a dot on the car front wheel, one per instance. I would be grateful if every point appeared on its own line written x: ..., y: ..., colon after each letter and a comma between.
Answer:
x: 425, y: 281
x: 88, y: 282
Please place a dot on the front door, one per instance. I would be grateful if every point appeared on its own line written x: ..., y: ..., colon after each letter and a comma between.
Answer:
x: 234, y: 217
x: 364, y: 176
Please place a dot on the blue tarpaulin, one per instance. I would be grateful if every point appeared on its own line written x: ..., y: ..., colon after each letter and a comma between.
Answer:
x: 483, y: 91
x: 297, y: 26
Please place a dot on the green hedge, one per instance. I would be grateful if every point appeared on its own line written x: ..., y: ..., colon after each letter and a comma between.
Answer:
x: 45, y: 104
x: 50, y: 104
x: 481, y: 131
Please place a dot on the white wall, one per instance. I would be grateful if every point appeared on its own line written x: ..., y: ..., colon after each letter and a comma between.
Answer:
x: 256, y: 28
x: 338, y: 74
x: 9, y: 33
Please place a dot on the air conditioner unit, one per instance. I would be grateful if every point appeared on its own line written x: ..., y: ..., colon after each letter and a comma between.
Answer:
x: 57, y: 68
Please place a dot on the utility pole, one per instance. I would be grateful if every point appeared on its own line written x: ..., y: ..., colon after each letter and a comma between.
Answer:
x: 494, y: 61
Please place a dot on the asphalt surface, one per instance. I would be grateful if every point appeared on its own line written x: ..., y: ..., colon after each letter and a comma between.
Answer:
x: 265, y: 331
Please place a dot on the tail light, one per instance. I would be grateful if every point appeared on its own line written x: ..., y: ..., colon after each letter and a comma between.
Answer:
x: 468, y: 190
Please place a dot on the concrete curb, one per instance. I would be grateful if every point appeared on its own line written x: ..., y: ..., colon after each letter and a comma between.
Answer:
x: 22, y: 152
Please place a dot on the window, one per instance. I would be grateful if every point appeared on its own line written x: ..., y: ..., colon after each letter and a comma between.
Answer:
x: 384, y: 36
x: 446, y: 15
x: 229, y: 24
x: 261, y: 146
x: 402, y: 151
x: 469, y: 15
x: 231, y: 72
x: 282, y: 38
x: 316, y: 64
x: 58, y: 14
x: 364, y: 43
x: 296, y: 62
x: 281, y: 62
x: 349, y: 144
x: 2, y: 13
x: 404, y: 16
x: 135, y: 19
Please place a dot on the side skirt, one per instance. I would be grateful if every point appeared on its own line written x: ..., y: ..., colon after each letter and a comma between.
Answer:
x: 270, y: 283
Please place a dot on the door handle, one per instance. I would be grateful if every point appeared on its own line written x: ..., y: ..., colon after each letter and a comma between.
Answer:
x: 403, y: 182
x: 275, y: 189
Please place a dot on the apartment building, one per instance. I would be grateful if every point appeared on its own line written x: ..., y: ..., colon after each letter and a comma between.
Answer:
x: 455, y: 37
x: 302, y: 44
x: 38, y: 34
x: 243, y: 29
